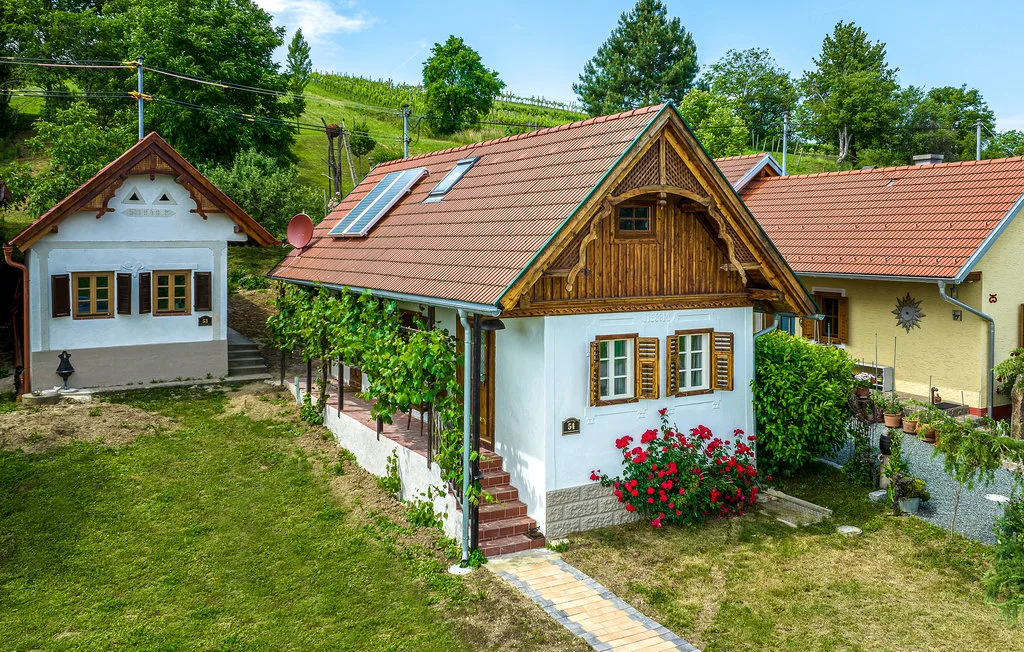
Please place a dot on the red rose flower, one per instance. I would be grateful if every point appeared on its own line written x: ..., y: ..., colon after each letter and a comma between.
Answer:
x: 594, y: 475
x: 630, y: 508
x: 663, y: 411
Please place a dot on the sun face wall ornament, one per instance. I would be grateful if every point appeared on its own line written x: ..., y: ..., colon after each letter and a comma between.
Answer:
x: 908, y: 312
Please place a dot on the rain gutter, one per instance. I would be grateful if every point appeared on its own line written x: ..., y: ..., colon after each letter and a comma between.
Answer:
x: 26, y: 378
x: 991, y: 340
x: 453, y: 304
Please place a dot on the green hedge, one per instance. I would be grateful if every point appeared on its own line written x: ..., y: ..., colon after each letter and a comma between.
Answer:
x: 801, y: 400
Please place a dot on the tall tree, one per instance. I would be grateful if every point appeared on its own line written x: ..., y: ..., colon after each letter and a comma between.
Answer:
x: 760, y: 89
x: 850, y: 96
x: 715, y: 122
x: 648, y: 59
x: 459, y: 89
x: 299, y: 67
x: 941, y: 121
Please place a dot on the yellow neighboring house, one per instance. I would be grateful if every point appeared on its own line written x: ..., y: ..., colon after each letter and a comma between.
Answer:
x: 918, y: 270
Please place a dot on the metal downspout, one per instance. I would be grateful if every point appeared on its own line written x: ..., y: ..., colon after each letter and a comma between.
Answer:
x: 26, y: 385
x: 991, y: 340
x: 467, y: 344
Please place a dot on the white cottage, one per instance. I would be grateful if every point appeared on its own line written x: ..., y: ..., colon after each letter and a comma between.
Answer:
x: 625, y: 272
x: 128, y: 274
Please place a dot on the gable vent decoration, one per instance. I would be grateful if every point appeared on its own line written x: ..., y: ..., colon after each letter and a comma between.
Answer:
x: 908, y: 312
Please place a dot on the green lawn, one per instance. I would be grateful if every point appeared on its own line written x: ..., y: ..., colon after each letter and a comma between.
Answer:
x: 227, y: 532
x: 755, y: 584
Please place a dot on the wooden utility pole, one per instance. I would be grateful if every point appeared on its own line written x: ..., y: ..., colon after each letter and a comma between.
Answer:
x: 348, y: 153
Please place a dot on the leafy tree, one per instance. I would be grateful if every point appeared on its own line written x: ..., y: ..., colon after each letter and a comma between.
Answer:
x: 801, y: 400
x: 941, y: 121
x: 1010, y: 373
x: 648, y: 59
x: 299, y: 67
x: 850, y: 96
x: 459, y: 89
x: 268, y: 191
x: 76, y: 148
x: 969, y: 455
x: 360, y: 141
x: 715, y: 122
x: 1007, y: 143
x: 760, y: 89
x: 229, y: 40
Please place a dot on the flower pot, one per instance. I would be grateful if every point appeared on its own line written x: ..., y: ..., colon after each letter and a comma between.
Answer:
x: 892, y: 420
x: 863, y: 393
x: 926, y: 433
x: 910, y: 426
x: 910, y: 505
x: 885, y: 444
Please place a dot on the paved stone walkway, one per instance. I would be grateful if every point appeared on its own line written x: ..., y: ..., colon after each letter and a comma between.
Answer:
x: 581, y: 605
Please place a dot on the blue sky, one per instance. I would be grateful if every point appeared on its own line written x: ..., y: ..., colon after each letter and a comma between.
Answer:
x: 539, y: 47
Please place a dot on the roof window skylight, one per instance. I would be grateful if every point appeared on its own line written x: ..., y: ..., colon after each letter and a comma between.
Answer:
x: 375, y: 205
x: 450, y: 179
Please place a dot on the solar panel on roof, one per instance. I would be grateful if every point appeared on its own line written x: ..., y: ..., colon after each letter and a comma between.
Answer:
x: 450, y: 179
x: 375, y: 205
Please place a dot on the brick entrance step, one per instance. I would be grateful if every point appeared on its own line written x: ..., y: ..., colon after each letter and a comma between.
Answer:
x: 504, y: 525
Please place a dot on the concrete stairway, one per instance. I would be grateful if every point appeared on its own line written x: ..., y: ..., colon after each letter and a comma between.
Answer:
x: 504, y: 525
x: 244, y: 359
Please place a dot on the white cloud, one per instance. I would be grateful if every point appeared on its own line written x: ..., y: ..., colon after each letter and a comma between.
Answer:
x: 1010, y: 122
x: 316, y: 18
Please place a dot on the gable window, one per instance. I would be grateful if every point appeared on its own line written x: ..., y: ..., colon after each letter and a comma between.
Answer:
x: 623, y: 369
x: 91, y: 297
x: 834, y: 326
x: 634, y: 220
x: 172, y: 292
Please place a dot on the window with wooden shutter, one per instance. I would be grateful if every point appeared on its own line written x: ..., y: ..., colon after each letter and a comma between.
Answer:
x: 613, y: 369
x: 93, y: 295
x: 173, y: 292
x: 124, y: 294
x: 672, y: 365
x: 689, y: 362
x: 722, y: 360
x: 646, y: 374
x: 60, y: 295
x: 834, y: 328
x: 145, y: 293
x: 203, y: 291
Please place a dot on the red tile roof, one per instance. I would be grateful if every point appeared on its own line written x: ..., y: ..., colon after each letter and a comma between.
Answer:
x: 914, y: 221
x: 736, y: 167
x: 471, y: 245
x: 150, y: 155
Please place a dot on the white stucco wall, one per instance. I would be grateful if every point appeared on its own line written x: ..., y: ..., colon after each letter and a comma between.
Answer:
x: 133, y: 238
x: 520, y: 406
x: 571, y: 458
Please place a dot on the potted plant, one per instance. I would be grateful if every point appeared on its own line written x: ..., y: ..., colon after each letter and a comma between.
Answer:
x: 862, y: 384
x: 928, y: 420
x: 910, y: 423
x: 892, y: 408
x: 912, y: 492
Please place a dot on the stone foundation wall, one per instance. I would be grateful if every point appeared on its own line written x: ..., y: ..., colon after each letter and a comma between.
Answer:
x: 585, y: 507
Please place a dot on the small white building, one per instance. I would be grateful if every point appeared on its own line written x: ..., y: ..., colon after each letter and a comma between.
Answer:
x: 624, y: 269
x: 128, y: 274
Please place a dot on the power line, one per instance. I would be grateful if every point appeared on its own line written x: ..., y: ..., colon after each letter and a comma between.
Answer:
x: 221, y: 84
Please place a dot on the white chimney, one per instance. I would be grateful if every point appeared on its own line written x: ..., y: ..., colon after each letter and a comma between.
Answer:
x: 928, y: 159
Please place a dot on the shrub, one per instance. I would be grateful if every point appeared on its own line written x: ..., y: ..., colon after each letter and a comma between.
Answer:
x: 1004, y: 582
x: 801, y: 400
x: 675, y: 478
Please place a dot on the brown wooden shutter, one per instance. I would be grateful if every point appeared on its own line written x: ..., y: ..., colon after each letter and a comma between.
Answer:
x: 595, y: 372
x: 124, y: 294
x: 145, y: 293
x: 671, y: 365
x: 203, y: 291
x: 646, y: 373
x: 721, y: 360
x: 60, y: 295
x: 844, y: 321
x: 807, y: 327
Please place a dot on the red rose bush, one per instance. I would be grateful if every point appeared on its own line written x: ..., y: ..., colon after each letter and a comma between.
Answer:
x: 683, y: 479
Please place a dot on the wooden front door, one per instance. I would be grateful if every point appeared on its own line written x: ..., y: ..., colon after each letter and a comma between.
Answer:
x: 486, y: 385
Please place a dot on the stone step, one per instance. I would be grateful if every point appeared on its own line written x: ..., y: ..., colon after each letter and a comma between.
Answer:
x: 506, y: 527
x: 242, y: 370
x: 489, y: 461
x: 239, y: 378
x: 503, y: 492
x: 507, y: 545
x: 494, y: 478
x: 235, y: 348
x: 498, y: 511
x: 246, y: 358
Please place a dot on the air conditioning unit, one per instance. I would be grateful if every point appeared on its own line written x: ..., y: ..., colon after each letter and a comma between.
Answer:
x: 885, y: 375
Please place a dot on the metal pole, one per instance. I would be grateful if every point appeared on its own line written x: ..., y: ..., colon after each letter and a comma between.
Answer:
x: 991, y: 340
x: 405, y: 128
x: 142, y: 103
x: 977, y: 141
x: 785, y: 137
x: 474, y: 535
x: 467, y: 344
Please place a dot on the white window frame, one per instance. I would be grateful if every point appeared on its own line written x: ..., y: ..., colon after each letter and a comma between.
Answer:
x: 685, y: 369
x: 629, y: 376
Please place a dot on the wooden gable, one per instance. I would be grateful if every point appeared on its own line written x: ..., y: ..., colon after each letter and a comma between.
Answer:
x: 696, y: 254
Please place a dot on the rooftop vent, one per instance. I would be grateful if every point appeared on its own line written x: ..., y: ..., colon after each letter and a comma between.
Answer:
x: 928, y: 159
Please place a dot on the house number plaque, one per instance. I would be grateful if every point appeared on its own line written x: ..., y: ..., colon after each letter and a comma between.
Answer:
x: 206, y: 320
x: 571, y: 426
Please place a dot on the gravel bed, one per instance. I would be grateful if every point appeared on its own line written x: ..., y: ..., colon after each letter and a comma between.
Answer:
x: 976, y: 515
